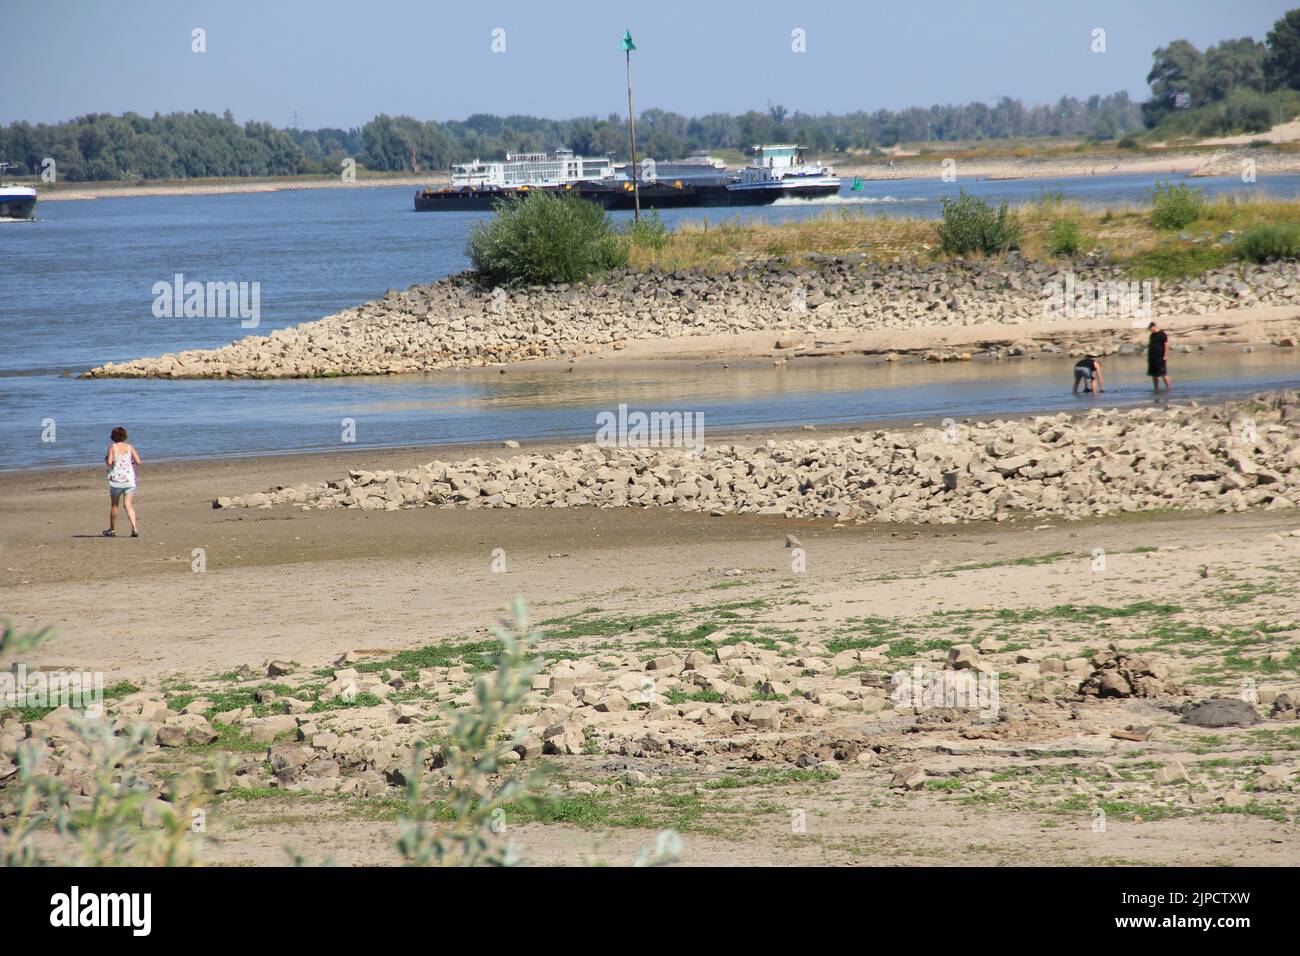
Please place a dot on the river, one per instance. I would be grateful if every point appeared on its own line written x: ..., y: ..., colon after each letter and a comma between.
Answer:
x: 78, y: 293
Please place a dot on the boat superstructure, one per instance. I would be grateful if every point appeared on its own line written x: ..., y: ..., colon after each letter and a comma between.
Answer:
x: 704, y: 159
x: 782, y: 170
x: 532, y: 169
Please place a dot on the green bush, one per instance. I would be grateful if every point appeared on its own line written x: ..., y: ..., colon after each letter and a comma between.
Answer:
x: 1176, y: 261
x: 1244, y: 110
x: 1063, y: 237
x: 1270, y: 240
x: 649, y: 233
x: 543, y: 239
x: 970, y: 225
x: 1175, y: 206
x: 1128, y: 142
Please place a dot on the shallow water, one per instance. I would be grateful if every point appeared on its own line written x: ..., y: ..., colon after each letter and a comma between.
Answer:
x: 78, y: 293
x: 186, y: 419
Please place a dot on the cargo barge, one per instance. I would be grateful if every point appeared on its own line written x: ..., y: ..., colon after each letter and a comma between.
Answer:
x: 776, y: 172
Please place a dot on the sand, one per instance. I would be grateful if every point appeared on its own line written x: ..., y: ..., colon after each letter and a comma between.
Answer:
x: 114, y: 190
x: 306, y: 586
x: 1254, y: 325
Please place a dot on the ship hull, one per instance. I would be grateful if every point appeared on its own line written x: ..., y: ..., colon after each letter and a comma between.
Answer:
x: 617, y: 196
x: 460, y: 200
x: 742, y: 194
x: 17, y: 204
x: 652, y: 195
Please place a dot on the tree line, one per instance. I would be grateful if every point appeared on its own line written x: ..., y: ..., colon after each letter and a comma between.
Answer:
x: 196, y: 145
x: 1233, y: 85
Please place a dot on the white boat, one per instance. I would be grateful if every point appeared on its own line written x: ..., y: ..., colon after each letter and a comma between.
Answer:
x: 532, y: 169
x: 16, y: 202
x: 781, y: 170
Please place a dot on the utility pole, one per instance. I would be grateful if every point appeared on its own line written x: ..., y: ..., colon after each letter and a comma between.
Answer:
x: 628, y: 47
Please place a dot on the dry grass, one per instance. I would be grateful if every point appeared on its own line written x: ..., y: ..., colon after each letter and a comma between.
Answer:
x: 1102, y: 153
x: 730, y: 243
x: 1124, y: 235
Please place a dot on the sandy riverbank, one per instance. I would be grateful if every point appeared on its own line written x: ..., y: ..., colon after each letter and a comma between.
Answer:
x: 1262, y: 326
x: 82, y: 191
x: 907, y: 787
x: 1224, y: 161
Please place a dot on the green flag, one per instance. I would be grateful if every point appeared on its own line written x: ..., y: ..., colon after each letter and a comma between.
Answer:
x: 627, y: 41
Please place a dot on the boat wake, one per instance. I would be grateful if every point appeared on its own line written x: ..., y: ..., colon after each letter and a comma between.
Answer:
x: 845, y: 200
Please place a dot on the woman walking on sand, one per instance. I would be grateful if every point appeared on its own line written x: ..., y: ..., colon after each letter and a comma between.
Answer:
x: 121, y: 460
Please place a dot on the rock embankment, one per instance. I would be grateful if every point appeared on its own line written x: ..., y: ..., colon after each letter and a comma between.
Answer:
x: 454, y: 323
x: 1229, y: 457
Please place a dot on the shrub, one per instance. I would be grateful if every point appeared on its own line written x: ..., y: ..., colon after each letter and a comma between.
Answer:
x: 649, y: 233
x: 543, y: 239
x: 1174, y: 206
x: 1270, y: 240
x: 1128, y: 142
x: 1063, y: 238
x: 1176, y: 261
x: 970, y: 225
x: 1048, y: 198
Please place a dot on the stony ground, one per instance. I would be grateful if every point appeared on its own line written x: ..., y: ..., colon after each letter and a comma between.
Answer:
x: 1229, y: 458
x: 454, y: 323
x: 758, y: 713
x: 760, y: 682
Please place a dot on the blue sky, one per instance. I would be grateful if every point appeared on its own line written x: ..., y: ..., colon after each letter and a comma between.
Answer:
x: 340, y: 63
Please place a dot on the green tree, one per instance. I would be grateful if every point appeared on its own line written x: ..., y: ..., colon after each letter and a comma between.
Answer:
x: 1230, y: 66
x: 1176, y: 69
x: 1282, y: 66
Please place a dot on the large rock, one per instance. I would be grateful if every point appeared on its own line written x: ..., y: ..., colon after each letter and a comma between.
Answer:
x: 1222, y: 712
x: 1128, y: 675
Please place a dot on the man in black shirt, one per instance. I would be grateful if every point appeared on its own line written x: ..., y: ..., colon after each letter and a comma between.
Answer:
x: 1087, y: 372
x: 1158, y: 356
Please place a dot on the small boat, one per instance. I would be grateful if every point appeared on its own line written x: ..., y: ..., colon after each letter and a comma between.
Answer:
x: 781, y: 171
x: 16, y: 202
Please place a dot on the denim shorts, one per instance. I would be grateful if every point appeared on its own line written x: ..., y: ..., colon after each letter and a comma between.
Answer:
x: 114, y: 490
